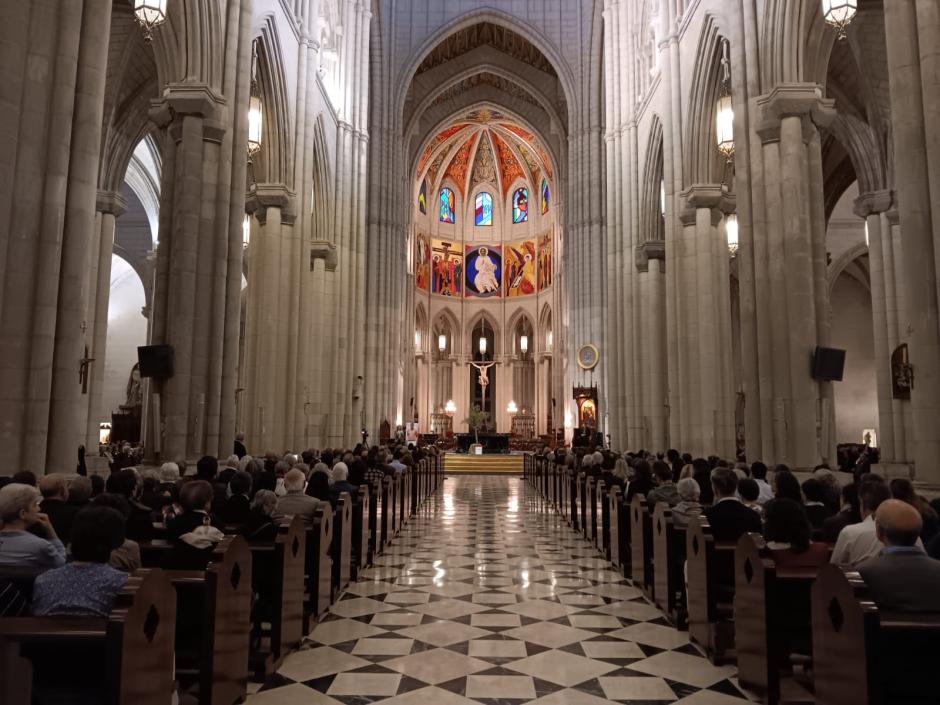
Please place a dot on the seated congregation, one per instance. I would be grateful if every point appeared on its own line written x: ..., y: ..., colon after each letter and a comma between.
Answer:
x: 159, y: 585
x: 822, y: 586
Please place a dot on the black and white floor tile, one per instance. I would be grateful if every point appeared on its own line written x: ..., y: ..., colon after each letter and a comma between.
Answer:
x: 488, y: 597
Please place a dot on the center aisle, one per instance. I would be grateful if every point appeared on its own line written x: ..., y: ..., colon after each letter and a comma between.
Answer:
x: 488, y: 596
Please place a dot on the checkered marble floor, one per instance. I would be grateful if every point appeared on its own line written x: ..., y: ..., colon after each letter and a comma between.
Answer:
x: 488, y: 597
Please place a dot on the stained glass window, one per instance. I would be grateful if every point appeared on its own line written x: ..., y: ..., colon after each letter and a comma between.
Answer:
x: 448, y: 203
x: 423, y: 197
x: 546, y: 196
x: 520, y: 205
x: 483, y: 215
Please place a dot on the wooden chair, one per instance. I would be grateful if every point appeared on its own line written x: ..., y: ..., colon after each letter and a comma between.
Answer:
x: 127, y: 656
x: 710, y: 591
x: 863, y: 655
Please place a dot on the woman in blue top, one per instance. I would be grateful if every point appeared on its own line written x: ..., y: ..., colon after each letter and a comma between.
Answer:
x: 87, y: 586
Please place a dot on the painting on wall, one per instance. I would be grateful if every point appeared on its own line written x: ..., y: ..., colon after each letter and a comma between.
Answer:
x: 484, y: 267
x: 545, y: 261
x: 519, y: 268
x: 446, y: 268
x: 422, y: 262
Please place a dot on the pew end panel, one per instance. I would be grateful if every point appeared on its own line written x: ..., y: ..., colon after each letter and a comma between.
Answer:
x: 710, y: 591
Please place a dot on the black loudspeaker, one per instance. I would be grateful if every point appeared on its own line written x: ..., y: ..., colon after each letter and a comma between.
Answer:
x: 155, y: 361
x: 828, y: 364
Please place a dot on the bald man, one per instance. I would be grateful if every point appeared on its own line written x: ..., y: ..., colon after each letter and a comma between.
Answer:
x: 902, y: 577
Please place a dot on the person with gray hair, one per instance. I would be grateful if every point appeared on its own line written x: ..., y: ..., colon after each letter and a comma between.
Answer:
x: 79, y: 490
x: 341, y: 484
x: 263, y: 520
x: 688, y: 506
x: 169, y: 472
x: 19, y: 509
x: 295, y: 502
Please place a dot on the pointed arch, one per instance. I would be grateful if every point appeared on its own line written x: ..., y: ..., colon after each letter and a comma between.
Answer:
x: 274, y: 163
x: 652, y: 223
x: 474, y: 323
x: 704, y: 164
x: 445, y: 320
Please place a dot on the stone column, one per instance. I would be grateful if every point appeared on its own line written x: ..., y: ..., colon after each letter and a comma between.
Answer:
x: 50, y: 131
x: 870, y: 206
x: 912, y: 35
x: 786, y: 123
x: 110, y: 205
x: 650, y: 264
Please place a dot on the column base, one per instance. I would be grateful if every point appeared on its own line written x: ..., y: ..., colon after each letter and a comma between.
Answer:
x: 890, y: 471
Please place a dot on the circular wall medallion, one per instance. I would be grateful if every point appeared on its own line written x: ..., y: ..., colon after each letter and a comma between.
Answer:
x: 587, y: 357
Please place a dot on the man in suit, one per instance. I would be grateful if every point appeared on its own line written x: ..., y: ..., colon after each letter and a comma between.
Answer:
x: 728, y: 516
x: 902, y: 577
x: 237, y: 508
x: 858, y: 543
x: 296, y: 503
x: 239, y: 448
x: 341, y: 484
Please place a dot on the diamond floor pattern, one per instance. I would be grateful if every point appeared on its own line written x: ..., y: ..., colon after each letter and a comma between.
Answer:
x: 488, y: 597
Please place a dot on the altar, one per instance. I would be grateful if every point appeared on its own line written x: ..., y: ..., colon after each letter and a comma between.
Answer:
x: 491, y: 442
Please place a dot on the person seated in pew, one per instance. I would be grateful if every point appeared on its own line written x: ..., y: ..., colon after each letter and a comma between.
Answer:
x: 79, y: 491
x: 903, y: 489
x: 849, y: 513
x: 786, y: 485
x: 55, y: 495
x: 688, y: 505
x: 87, y: 586
x: 126, y: 482
x: 641, y: 482
x: 19, y: 509
x: 341, y: 484
x: 901, y: 577
x: 675, y: 462
x: 319, y: 485
x: 749, y: 492
x: 237, y: 508
x: 858, y: 543
x: 296, y: 502
x: 701, y: 472
x: 125, y: 557
x: 787, y: 532
x: 262, y: 524
x: 195, y: 500
x: 759, y: 475
x: 728, y: 517
x: 665, y: 490
x: 815, y: 506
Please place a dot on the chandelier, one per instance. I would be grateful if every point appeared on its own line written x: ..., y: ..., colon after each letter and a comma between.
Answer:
x: 149, y: 14
x: 724, y: 112
x: 839, y: 14
x: 255, y: 109
x: 731, y: 231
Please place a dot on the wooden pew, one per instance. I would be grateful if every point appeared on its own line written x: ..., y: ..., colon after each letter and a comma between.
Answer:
x: 641, y: 546
x: 865, y: 656
x: 385, y: 529
x: 318, y: 568
x: 361, y: 545
x: 278, y: 581
x: 614, y: 502
x: 772, y: 616
x: 668, y: 561
x: 603, y: 508
x: 214, y: 613
x: 583, y: 516
x: 590, y: 496
x: 341, y: 545
x: 128, y: 655
x: 710, y: 567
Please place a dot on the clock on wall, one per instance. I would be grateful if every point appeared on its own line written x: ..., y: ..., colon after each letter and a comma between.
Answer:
x: 587, y: 357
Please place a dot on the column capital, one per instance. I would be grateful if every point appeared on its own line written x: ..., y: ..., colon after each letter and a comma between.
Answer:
x: 111, y: 202
x: 873, y: 202
x: 260, y: 197
x: 651, y: 249
x: 802, y: 100
x: 194, y: 99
